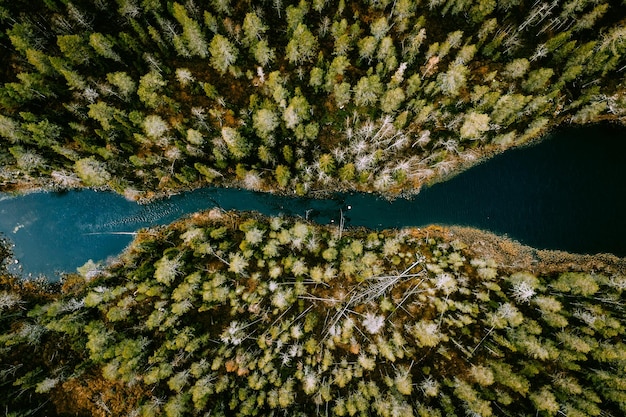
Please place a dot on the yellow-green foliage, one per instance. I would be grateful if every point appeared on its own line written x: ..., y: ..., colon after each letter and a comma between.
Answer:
x: 233, y: 327
x: 297, y: 96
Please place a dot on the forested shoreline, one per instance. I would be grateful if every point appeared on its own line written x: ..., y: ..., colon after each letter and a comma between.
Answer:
x: 150, y: 97
x: 225, y: 313
x: 239, y: 314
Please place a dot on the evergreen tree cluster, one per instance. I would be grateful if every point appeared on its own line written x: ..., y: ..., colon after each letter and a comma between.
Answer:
x: 152, y: 96
x: 230, y: 314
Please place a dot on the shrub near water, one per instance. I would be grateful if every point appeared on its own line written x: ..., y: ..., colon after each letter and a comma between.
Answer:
x: 249, y: 315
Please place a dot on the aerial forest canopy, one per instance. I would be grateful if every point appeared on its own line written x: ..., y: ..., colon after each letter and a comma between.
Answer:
x: 236, y: 314
x: 147, y: 97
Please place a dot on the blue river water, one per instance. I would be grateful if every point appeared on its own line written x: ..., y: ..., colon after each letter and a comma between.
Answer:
x: 566, y: 193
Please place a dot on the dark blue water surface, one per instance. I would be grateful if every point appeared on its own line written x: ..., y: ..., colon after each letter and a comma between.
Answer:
x: 567, y: 193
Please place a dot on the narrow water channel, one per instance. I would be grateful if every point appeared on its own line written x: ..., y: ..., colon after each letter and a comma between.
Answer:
x: 567, y: 193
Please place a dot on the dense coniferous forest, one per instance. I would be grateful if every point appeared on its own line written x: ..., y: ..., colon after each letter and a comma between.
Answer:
x: 151, y: 97
x: 238, y: 314
x: 226, y: 313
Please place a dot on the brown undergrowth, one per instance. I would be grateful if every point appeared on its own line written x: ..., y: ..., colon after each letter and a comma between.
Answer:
x: 95, y: 396
x: 512, y: 255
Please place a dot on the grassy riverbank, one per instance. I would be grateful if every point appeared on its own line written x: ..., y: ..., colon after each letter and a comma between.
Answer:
x: 149, y: 98
x: 238, y: 314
